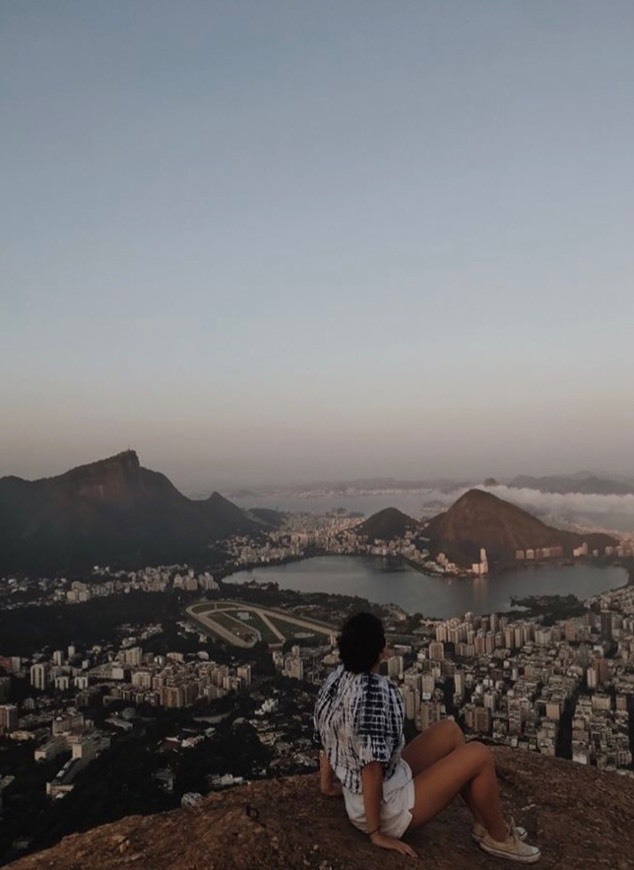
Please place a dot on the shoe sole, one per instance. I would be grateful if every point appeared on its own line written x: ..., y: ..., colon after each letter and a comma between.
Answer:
x: 510, y: 856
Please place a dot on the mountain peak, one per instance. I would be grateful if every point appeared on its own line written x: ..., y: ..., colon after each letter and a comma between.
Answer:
x: 112, y: 512
x: 386, y: 525
x: 128, y: 458
x: 124, y: 459
x: 480, y: 519
x: 478, y: 496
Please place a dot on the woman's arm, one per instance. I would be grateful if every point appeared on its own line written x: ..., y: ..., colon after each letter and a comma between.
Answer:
x: 372, y: 787
x: 327, y: 780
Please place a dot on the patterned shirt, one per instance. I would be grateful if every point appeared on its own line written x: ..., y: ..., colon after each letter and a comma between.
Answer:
x: 359, y: 719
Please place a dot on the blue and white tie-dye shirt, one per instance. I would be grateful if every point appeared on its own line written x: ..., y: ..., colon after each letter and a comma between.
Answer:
x: 359, y: 719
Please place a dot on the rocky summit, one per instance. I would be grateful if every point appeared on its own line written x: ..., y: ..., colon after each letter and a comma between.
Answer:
x: 581, y: 818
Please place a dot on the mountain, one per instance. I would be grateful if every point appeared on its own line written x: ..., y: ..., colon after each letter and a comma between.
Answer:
x: 112, y: 512
x: 568, y: 810
x: 583, y: 482
x: 386, y: 525
x: 269, y: 516
x: 480, y: 519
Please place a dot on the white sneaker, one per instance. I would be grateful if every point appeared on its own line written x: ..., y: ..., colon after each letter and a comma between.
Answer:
x: 478, y: 832
x: 512, y: 848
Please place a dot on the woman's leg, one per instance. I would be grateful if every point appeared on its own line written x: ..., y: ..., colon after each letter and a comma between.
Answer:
x: 435, y: 743
x: 432, y: 745
x: 471, y: 768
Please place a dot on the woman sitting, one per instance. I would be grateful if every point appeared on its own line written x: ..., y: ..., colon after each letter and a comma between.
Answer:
x: 389, y: 788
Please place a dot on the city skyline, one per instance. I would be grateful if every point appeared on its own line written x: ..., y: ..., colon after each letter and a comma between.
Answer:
x: 268, y: 243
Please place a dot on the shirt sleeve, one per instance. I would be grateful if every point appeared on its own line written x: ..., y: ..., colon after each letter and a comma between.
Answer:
x: 372, y: 724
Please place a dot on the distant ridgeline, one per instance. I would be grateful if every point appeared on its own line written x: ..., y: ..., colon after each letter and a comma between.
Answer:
x: 110, y: 512
x: 117, y: 513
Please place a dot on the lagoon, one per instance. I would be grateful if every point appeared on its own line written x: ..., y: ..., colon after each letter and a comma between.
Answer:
x: 383, y: 582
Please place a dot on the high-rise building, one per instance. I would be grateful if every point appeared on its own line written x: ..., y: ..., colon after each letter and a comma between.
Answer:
x: 171, y: 696
x: 244, y: 672
x: 482, y: 720
x: 394, y: 666
x: 429, y: 713
x: 39, y: 676
x: 428, y: 684
x: 132, y: 656
x: 141, y: 679
x: 606, y: 625
x: 8, y: 718
x: 484, y: 562
x: 490, y: 700
x: 602, y: 668
x: 411, y: 697
x: 436, y: 651
x: 294, y: 667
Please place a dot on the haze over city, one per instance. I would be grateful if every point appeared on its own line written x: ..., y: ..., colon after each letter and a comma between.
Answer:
x: 273, y: 242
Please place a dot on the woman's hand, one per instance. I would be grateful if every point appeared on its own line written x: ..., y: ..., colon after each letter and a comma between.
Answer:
x: 386, y: 842
x: 332, y: 790
x: 328, y: 782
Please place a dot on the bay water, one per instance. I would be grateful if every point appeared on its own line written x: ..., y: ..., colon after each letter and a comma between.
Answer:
x: 385, y: 582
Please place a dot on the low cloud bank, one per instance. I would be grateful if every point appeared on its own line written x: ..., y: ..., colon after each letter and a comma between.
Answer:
x: 569, y: 502
x: 607, y: 511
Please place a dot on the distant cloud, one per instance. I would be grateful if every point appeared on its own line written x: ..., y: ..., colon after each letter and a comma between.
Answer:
x: 608, y: 511
x: 570, y: 502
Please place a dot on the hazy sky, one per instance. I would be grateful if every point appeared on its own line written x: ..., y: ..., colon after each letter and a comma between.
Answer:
x: 271, y: 241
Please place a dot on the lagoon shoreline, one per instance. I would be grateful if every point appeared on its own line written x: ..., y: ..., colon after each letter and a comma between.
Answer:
x: 436, y: 596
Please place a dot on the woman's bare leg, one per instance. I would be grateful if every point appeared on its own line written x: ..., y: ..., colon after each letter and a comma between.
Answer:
x: 435, y: 743
x: 470, y: 766
x: 432, y: 745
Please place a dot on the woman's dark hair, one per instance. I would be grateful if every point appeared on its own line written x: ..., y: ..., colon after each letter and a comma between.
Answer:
x: 360, y: 643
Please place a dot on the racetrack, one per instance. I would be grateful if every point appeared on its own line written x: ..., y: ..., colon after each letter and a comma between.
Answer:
x: 202, y: 615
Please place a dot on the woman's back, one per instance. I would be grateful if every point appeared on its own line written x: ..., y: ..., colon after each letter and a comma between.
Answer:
x: 359, y: 719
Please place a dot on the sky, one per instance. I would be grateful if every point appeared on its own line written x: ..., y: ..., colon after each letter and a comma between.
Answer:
x: 289, y: 240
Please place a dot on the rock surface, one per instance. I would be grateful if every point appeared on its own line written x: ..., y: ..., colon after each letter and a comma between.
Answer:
x: 580, y: 818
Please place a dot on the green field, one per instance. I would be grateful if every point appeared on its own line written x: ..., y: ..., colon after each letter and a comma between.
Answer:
x: 257, y: 623
x: 208, y: 630
x: 235, y: 626
x: 289, y: 630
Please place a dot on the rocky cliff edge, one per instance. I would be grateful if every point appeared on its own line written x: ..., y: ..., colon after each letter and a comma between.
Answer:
x: 580, y: 818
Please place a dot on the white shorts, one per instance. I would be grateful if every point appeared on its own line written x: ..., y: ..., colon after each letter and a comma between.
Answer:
x: 396, y: 806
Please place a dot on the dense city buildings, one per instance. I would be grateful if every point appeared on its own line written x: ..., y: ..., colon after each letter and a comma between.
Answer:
x: 564, y: 689
x: 151, y: 687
